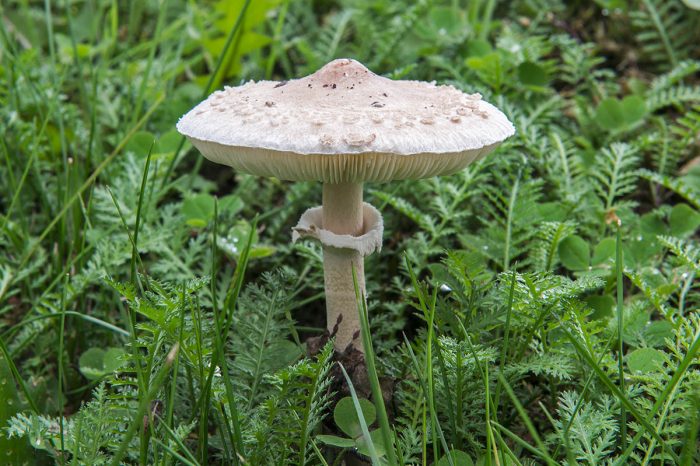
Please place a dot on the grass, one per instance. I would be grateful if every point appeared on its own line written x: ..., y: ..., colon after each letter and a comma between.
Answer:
x: 539, y: 307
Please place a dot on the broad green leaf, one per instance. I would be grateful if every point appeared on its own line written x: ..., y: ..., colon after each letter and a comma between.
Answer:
x: 113, y: 359
x: 656, y: 333
x: 198, y: 210
x: 478, y: 48
x: 240, y: 231
x: 645, y: 360
x: 445, y: 21
x: 653, y: 223
x: 346, y: 417
x: 230, y: 205
x: 234, y: 241
x: 610, y: 114
x: 255, y: 14
x: 490, y: 68
x: 91, y: 363
x: 140, y: 143
x: 634, y: 325
x: 613, y: 114
x: 574, y: 253
x: 603, y: 251
x: 96, y: 363
x: 532, y: 74
x: 602, y: 306
x: 167, y: 144
x: 639, y: 249
x: 683, y: 220
x: 491, y: 62
x: 459, y: 458
x: 634, y: 108
x: 377, y: 440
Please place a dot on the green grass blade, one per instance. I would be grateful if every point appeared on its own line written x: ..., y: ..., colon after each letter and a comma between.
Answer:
x: 542, y: 448
x: 139, y: 210
x: 520, y: 441
x: 387, y: 434
x: 187, y: 461
x: 620, y: 327
x: 360, y: 416
x: 59, y: 363
x: 85, y: 317
x: 173, y: 436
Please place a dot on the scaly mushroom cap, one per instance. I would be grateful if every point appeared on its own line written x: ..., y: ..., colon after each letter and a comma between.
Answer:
x: 345, y: 124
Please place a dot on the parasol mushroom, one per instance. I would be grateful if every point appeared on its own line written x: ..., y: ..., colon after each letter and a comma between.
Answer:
x: 344, y: 125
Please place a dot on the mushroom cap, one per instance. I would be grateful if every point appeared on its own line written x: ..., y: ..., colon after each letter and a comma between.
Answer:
x: 344, y: 123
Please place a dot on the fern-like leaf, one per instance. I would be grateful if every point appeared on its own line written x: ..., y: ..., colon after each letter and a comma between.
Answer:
x: 674, y: 184
x: 589, y: 431
x: 686, y: 251
x: 664, y: 30
x: 675, y: 96
x: 615, y: 174
x: 285, y: 422
x: 548, y: 238
x: 260, y: 340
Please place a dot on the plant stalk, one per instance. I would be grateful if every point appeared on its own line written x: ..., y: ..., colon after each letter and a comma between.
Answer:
x: 342, y: 214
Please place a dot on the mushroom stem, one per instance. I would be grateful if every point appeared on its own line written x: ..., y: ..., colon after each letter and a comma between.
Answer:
x: 342, y: 214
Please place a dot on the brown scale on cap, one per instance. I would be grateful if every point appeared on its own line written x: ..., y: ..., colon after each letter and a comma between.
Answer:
x: 359, y: 139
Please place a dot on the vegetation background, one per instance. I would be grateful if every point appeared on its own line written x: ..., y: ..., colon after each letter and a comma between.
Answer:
x: 540, y: 307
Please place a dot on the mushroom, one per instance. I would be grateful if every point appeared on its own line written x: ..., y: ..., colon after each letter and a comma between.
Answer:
x: 344, y: 125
